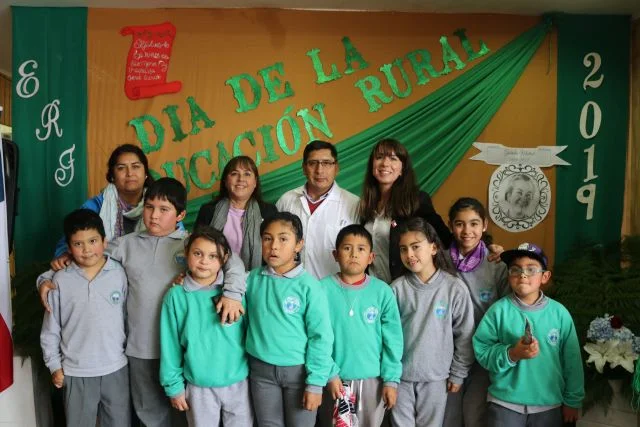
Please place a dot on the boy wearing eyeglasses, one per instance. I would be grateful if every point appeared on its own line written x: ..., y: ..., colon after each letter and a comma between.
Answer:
x: 528, y: 343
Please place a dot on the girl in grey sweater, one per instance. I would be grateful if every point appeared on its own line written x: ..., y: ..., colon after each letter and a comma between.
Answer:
x: 487, y: 283
x: 437, y: 323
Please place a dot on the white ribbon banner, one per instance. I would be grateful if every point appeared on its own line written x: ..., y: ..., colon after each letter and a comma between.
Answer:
x: 498, y: 154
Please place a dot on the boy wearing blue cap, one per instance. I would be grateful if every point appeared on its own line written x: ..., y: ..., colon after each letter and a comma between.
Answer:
x: 528, y: 343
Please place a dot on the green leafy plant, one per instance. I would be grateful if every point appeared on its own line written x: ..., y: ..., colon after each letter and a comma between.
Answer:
x: 595, y: 280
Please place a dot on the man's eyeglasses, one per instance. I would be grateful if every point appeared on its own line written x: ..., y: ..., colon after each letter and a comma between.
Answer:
x: 322, y: 163
x: 514, y: 270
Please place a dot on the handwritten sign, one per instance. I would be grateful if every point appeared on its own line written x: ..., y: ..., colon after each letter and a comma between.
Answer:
x: 148, y: 61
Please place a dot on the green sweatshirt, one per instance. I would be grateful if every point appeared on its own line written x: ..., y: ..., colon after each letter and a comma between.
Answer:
x: 289, y: 322
x: 366, y: 325
x: 194, y: 346
x: 553, y: 377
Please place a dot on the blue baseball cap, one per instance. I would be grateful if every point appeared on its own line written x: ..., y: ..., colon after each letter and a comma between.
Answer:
x: 529, y: 250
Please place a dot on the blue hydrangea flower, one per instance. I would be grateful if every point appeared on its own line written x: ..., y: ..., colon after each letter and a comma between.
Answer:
x: 600, y: 329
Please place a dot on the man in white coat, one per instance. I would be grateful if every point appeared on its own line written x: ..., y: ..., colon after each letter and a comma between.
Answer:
x: 323, y: 207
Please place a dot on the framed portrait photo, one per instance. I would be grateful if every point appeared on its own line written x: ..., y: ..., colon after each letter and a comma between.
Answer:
x: 519, y: 197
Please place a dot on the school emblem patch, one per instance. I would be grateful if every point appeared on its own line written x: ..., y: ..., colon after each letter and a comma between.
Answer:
x: 553, y: 337
x: 291, y: 305
x: 115, y: 297
x: 441, y: 309
x: 180, y: 259
x: 486, y: 294
x: 370, y: 314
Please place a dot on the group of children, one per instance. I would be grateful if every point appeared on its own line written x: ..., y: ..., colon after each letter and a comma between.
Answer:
x: 349, y: 346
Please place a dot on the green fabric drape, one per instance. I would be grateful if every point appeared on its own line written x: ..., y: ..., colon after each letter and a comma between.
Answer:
x: 437, y: 130
x: 578, y: 90
x: 49, y: 83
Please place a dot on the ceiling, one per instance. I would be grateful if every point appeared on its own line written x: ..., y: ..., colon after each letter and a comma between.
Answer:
x: 517, y: 7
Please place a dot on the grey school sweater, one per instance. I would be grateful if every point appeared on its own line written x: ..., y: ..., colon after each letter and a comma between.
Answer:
x: 437, y: 323
x: 487, y: 284
x: 84, y: 333
x: 151, y: 264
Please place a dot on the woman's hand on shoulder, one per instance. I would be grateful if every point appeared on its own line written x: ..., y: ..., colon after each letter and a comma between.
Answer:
x: 61, y: 262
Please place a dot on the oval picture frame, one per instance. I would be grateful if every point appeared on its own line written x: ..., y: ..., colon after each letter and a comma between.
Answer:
x: 519, y: 197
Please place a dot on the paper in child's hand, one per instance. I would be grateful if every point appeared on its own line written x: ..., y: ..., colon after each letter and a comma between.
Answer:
x: 528, y: 336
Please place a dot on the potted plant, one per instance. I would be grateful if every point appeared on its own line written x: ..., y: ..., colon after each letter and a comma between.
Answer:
x: 597, y: 279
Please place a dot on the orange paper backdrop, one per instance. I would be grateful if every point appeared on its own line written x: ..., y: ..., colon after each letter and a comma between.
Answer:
x: 212, y: 46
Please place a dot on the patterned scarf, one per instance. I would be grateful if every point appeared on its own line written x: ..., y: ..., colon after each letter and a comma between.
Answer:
x: 469, y: 262
x: 114, y: 210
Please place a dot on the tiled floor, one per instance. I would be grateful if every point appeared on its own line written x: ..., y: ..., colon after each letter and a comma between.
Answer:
x: 619, y: 414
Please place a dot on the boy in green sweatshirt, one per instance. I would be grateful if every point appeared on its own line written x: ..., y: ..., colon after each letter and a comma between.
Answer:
x: 368, y: 344
x: 528, y: 343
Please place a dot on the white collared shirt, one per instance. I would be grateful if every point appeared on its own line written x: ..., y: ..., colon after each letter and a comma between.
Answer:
x: 339, y: 209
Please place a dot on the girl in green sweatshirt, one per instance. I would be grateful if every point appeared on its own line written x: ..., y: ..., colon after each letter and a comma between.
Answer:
x: 196, y: 348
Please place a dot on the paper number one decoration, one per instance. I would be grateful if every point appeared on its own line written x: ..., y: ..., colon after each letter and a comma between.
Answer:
x: 148, y: 61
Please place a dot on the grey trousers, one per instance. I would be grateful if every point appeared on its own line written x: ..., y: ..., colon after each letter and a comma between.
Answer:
x: 149, y: 401
x: 105, y: 398
x: 420, y: 404
x: 499, y: 416
x: 368, y: 402
x: 468, y: 407
x: 277, y: 393
x: 207, y: 403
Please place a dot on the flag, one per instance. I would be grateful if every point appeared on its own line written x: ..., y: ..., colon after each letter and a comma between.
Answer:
x: 6, y: 344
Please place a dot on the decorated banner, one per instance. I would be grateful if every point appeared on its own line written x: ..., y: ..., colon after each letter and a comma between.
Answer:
x: 498, y: 154
x: 593, y: 117
x: 436, y: 88
x: 49, y: 123
x: 193, y: 90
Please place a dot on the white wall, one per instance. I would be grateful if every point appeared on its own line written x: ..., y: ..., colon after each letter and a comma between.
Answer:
x: 16, y: 403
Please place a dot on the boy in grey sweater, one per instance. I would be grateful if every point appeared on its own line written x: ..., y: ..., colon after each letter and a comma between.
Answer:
x: 83, y: 336
x: 152, y: 259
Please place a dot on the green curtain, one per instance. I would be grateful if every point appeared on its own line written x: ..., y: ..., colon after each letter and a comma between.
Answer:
x: 593, y: 76
x: 49, y: 122
x: 437, y: 130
